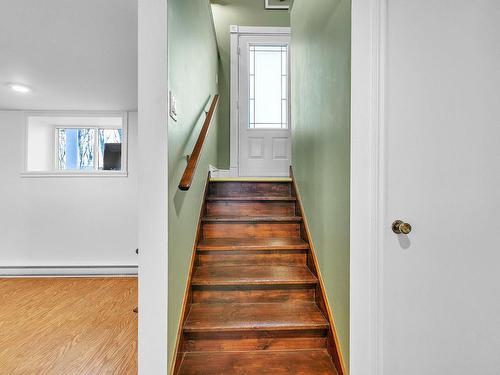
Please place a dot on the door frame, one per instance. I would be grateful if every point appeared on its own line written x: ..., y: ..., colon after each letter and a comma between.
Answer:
x: 235, y: 32
x: 369, y: 25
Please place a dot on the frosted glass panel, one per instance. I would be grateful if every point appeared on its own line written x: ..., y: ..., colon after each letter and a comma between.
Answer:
x: 268, y: 91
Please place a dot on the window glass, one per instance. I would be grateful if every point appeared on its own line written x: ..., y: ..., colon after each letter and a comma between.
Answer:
x: 76, y: 149
x: 110, y: 149
x: 268, y: 96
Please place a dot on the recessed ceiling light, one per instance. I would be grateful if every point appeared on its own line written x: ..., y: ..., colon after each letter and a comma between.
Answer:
x: 19, y: 88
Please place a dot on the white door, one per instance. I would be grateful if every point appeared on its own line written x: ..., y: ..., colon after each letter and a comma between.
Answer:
x: 264, y: 105
x: 440, y: 291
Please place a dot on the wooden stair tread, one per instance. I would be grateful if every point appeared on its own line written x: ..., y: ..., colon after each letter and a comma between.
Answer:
x: 254, y: 304
x: 251, y: 199
x: 224, y: 317
x: 262, y: 362
x: 224, y: 244
x: 251, y: 219
x: 253, y: 275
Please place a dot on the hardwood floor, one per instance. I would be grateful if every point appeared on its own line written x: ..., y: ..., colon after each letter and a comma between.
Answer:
x: 255, y: 303
x: 68, y: 326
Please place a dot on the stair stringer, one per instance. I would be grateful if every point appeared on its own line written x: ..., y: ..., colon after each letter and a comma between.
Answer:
x: 188, y: 298
x: 333, y: 343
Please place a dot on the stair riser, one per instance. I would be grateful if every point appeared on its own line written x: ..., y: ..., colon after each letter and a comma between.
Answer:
x: 237, y: 294
x: 246, y: 230
x: 255, y: 341
x: 222, y: 208
x: 245, y: 189
x: 243, y: 258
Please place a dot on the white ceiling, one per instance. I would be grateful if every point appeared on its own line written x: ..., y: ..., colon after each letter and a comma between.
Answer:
x: 74, y: 54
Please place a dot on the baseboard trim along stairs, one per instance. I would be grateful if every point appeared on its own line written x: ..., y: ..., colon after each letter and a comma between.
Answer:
x: 255, y: 301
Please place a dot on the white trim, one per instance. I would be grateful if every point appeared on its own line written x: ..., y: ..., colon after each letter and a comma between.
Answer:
x: 31, y: 113
x: 235, y: 32
x: 67, y: 174
x: 109, y: 270
x: 234, y: 106
x: 276, y: 7
x: 235, y: 29
x: 367, y: 161
x: 224, y: 173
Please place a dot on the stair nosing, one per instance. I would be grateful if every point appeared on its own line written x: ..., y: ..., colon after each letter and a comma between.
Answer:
x: 252, y: 179
x: 251, y: 247
x: 257, y: 328
x: 240, y: 198
x: 251, y: 219
x: 256, y: 283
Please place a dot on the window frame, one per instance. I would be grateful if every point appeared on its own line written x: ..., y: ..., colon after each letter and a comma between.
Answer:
x: 77, y: 173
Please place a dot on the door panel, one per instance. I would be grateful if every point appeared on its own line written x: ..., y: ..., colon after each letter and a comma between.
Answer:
x: 441, y: 285
x: 280, y: 148
x: 256, y: 147
x: 264, y: 100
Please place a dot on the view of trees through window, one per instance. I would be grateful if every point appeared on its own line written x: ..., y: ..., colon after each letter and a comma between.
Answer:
x: 83, y: 148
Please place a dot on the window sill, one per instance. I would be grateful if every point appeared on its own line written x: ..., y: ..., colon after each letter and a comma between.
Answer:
x: 73, y: 174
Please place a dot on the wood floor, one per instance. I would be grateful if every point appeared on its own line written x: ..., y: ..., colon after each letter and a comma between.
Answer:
x: 68, y: 326
x: 255, y: 303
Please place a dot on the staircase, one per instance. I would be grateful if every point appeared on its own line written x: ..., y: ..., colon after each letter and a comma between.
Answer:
x: 255, y: 303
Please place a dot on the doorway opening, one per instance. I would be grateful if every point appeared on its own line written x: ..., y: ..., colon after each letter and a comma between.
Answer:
x: 260, y: 101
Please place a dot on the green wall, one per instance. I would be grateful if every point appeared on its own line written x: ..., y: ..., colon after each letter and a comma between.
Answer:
x: 241, y: 13
x: 320, y: 135
x: 192, y: 70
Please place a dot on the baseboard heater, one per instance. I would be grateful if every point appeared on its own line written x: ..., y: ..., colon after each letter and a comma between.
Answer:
x: 105, y: 270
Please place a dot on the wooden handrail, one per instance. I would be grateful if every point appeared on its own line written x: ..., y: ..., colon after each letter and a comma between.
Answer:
x: 188, y: 175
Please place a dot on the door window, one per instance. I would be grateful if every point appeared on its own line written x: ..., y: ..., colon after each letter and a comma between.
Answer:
x: 268, y: 78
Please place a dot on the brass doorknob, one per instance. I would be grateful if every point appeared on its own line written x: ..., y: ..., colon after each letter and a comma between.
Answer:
x: 400, y: 227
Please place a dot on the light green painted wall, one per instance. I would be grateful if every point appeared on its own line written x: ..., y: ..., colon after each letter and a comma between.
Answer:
x: 321, y: 139
x: 241, y: 13
x: 193, y: 64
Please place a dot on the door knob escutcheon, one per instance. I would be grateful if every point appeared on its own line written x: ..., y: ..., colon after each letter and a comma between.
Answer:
x: 400, y: 227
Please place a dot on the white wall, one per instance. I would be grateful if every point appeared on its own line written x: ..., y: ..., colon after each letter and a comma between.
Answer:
x: 153, y: 187
x: 64, y: 221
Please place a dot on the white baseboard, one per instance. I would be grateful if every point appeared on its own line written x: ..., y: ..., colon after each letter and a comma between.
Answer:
x: 115, y: 270
x: 224, y: 173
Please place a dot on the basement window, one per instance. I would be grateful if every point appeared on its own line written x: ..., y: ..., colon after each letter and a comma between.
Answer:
x: 76, y: 145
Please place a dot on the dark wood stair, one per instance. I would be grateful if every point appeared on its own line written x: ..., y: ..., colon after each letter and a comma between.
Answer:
x: 255, y: 302
x: 252, y: 244
x: 312, y: 362
x: 253, y: 275
x: 256, y: 317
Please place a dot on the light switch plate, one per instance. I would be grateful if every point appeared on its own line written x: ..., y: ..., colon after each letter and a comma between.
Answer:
x: 172, y: 104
